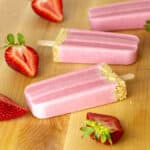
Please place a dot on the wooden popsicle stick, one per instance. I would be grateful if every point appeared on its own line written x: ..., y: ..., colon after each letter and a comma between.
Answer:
x: 45, y: 43
x: 128, y: 76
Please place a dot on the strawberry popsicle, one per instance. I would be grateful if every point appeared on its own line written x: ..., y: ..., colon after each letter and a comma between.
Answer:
x: 75, y: 91
x: 85, y: 46
x: 120, y: 16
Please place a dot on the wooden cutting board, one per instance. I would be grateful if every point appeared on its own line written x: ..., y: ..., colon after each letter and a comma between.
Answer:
x: 62, y: 133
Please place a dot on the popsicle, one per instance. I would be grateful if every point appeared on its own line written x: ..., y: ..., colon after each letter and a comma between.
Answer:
x: 120, y: 16
x: 75, y: 91
x: 84, y: 46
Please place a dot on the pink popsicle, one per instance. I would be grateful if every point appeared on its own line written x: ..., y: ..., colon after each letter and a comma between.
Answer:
x: 75, y: 91
x: 84, y: 46
x: 120, y: 16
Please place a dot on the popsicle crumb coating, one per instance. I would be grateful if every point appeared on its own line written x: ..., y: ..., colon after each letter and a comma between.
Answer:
x: 120, y: 16
x: 75, y: 91
x: 85, y: 46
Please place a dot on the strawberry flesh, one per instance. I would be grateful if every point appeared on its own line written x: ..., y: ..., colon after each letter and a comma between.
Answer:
x: 10, y: 110
x: 109, y: 121
x: 51, y: 10
x: 23, y: 59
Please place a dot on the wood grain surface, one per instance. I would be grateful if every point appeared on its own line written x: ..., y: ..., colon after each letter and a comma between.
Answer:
x: 62, y: 133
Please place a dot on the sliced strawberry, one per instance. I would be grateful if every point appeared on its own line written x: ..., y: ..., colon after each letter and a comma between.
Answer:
x: 10, y: 110
x: 22, y: 58
x: 103, y: 128
x: 49, y: 9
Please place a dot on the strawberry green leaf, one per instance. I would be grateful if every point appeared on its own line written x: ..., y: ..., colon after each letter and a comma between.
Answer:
x: 97, y: 134
x: 103, y: 138
x: 21, y: 39
x: 87, y: 131
x: 109, y: 139
x: 99, y: 130
x: 147, y: 26
x: 11, y: 39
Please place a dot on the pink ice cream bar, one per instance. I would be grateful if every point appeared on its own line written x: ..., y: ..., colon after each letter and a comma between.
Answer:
x: 120, y: 16
x: 84, y: 46
x: 75, y: 91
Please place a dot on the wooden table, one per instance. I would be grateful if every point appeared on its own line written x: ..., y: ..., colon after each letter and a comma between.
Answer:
x: 62, y: 133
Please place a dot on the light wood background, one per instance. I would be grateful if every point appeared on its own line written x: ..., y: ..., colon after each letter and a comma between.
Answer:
x: 62, y: 133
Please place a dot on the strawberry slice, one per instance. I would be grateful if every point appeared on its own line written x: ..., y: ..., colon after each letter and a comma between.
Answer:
x: 103, y: 128
x: 10, y: 110
x: 51, y: 10
x: 20, y: 57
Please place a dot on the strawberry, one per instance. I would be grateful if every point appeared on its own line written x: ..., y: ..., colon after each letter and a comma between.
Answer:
x: 21, y: 57
x: 10, y: 110
x: 102, y: 128
x: 51, y: 10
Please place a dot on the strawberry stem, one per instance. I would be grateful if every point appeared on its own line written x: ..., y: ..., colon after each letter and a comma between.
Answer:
x: 99, y: 130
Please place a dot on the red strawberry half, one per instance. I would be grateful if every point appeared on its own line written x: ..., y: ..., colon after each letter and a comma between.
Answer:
x: 103, y: 128
x: 10, y: 110
x: 20, y: 57
x: 49, y: 9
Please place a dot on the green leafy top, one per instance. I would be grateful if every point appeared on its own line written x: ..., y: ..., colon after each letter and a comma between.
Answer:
x: 21, y: 39
x: 11, y: 39
x: 100, y: 131
x: 147, y: 26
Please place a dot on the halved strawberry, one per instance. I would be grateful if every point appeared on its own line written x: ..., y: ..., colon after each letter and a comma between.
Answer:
x: 20, y: 57
x: 10, y: 110
x: 49, y: 9
x: 103, y: 128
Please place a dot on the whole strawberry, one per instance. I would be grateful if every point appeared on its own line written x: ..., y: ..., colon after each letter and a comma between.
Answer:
x: 21, y: 57
x: 9, y: 109
x: 102, y: 128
